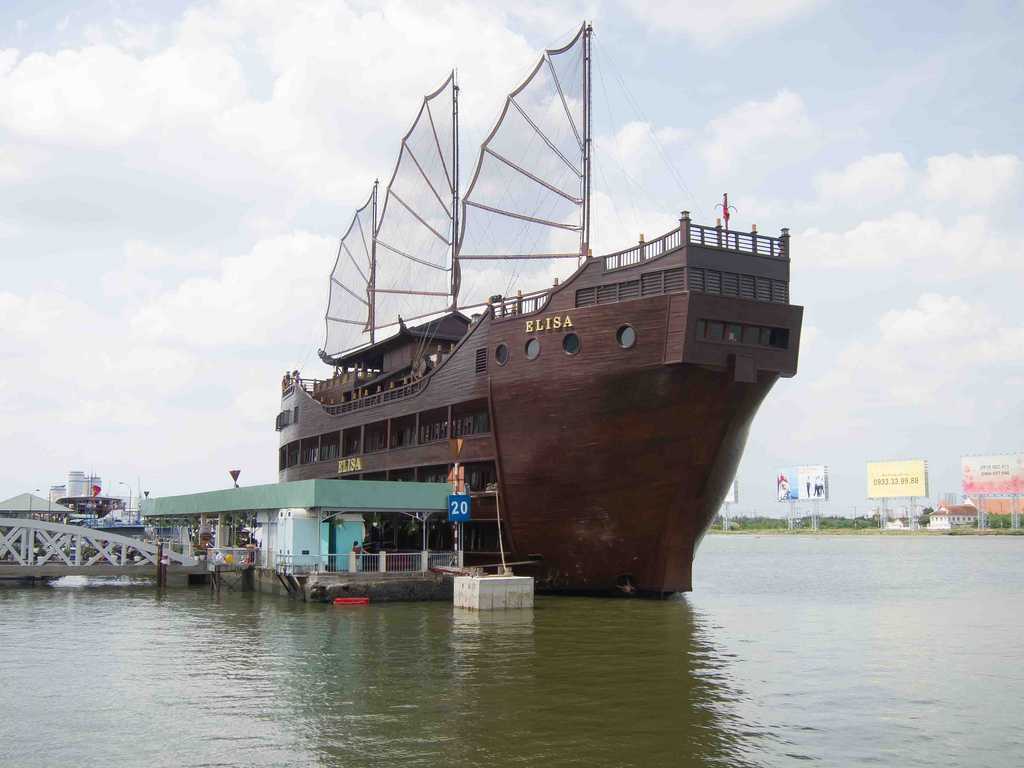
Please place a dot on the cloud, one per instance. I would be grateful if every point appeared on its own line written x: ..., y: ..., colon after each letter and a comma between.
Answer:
x: 270, y: 294
x: 920, y: 358
x: 772, y: 129
x: 875, y: 177
x: 975, y: 180
x: 945, y: 248
x: 711, y: 23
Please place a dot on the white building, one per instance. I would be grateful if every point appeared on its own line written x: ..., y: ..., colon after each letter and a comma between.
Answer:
x: 952, y: 515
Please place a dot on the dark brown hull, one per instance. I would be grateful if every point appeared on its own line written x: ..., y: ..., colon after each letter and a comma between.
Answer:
x: 611, y: 463
x: 625, y: 512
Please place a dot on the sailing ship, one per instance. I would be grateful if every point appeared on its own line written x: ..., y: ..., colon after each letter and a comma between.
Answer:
x: 602, y: 416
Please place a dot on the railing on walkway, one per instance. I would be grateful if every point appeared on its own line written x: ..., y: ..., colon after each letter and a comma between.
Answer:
x: 25, y: 542
x: 379, y: 562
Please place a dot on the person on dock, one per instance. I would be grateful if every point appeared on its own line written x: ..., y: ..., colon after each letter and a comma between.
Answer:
x: 357, y: 550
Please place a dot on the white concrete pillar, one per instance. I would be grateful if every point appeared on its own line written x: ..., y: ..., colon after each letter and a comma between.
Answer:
x: 382, y: 564
x: 425, y: 562
x: 353, y: 562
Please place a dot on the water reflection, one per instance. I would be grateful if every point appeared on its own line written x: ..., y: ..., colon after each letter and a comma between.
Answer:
x: 572, y: 682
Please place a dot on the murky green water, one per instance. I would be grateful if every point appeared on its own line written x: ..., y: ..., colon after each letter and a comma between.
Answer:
x: 842, y: 651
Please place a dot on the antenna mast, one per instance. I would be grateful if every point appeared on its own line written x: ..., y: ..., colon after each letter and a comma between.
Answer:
x: 456, y: 270
x: 586, y: 140
x: 371, y: 287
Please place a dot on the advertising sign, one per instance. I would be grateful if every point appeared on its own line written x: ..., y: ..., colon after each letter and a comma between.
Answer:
x: 732, y: 495
x: 804, y: 483
x: 997, y: 475
x: 897, y: 479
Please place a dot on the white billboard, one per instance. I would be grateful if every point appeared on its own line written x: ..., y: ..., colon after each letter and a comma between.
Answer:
x: 803, y: 483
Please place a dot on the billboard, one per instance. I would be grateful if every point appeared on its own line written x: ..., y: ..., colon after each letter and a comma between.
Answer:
x: 998, y: 475
x: 897, y: 479
x: 733, y: 494
x: 804, y: 483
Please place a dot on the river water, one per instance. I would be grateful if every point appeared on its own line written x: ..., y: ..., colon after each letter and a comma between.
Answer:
x: 853, y: 650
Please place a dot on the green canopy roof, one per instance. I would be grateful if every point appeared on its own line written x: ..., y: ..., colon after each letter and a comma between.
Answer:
x: 345, y: 495
x: 27, y: 503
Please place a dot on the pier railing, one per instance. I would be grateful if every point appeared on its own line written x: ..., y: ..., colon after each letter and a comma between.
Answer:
x: 377, y: 562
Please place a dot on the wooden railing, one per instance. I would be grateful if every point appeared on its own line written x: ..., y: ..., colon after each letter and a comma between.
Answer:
x: 744, y: 242
x: 709, y: 237
x: 377, y: 398
x: 521, y: 305
x: 643, y: 251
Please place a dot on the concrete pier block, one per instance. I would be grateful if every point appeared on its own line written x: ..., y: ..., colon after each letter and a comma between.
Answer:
x: 493, y: 593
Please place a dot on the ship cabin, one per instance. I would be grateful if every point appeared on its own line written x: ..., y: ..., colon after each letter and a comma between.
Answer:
x: 362, y: 438
x: 393, y: 362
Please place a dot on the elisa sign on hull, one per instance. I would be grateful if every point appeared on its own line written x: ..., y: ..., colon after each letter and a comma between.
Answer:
x: 897, y: 479
x: 805, y: 483
x: 997, y: 475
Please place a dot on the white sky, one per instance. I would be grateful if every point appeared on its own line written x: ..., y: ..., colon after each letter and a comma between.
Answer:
x: 172, y: 182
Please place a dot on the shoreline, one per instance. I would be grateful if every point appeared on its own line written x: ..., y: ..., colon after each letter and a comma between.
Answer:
x: 866, y: 532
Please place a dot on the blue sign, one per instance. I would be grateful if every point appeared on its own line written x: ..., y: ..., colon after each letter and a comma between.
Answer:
x: 458, y: 508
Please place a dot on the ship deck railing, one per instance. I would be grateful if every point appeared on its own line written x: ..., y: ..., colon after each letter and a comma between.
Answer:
x: 397, y: 562
x: 687, y: 232
x: 522, y: 304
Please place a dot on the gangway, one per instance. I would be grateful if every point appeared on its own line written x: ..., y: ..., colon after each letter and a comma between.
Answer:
x: 36, y: 549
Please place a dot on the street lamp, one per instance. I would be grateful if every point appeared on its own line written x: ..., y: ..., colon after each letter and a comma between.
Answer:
x: 36, y: 490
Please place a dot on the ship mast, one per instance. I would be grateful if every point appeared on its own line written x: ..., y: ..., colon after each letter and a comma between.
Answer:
x: 456, y: 271
x: 371, y: 287
x: 588, y: 31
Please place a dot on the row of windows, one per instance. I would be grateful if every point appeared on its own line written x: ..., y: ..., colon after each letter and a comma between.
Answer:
x: 463, y: 420
x: 695, y: 279
x: 571, y: 345
x: 737, y: 333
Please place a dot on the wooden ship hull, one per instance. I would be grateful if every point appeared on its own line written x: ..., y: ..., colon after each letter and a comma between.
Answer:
x: 607, y: 460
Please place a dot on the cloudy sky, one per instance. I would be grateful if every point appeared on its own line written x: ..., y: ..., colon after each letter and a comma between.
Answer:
x: 173, y: 177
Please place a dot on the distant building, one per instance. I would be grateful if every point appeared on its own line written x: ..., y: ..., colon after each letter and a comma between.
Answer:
x: 952, y: 515
x: 29, y: 505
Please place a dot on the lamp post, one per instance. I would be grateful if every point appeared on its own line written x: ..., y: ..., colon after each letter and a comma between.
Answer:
x: 36, y: 490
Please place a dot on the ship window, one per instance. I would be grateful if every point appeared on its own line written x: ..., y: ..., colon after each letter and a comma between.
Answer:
x: 779, y: 337
x: 501, y: 354
x: 702, y: 329
x: 626, y: 336
x: 532, y: 349
x: 750, y: 334
x: 571, y: 343
x: 715, y: 330
x: 766, y: 335
x: 733, y: 332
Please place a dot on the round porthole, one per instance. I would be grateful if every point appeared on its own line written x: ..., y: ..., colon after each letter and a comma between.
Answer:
x: 501, y: 354
x: 571, y: 343
x: 626, y: 336
x: 532, y: 349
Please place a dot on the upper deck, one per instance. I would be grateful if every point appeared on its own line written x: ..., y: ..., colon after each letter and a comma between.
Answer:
x: 691, y: 258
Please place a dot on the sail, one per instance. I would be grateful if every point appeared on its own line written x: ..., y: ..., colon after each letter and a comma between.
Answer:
x: 348, y: 305
x: 414, y: 234
x: 523, y: 216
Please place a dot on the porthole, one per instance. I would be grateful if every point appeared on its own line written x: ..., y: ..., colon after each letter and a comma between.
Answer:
x: 532, y: 349
x: 571, y: 343
x: 501, y: 354
x: 626, y: 336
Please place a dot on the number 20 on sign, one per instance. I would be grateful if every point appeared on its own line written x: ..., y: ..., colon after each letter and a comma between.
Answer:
x: 458, y: 508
